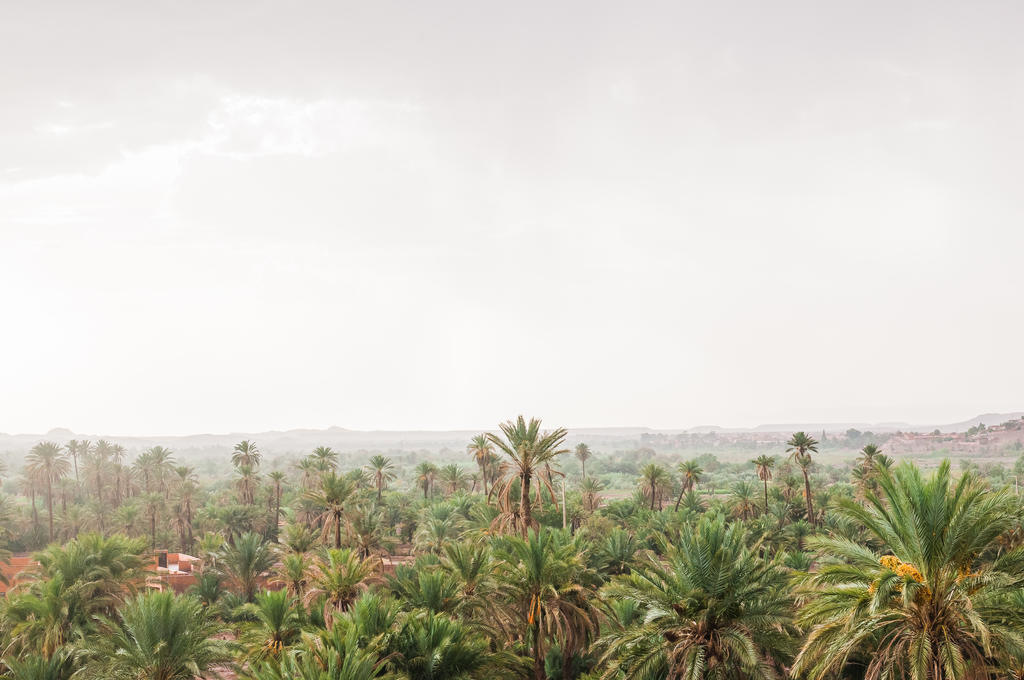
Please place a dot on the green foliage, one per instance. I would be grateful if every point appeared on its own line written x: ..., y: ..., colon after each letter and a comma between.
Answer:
x: 159, y: 636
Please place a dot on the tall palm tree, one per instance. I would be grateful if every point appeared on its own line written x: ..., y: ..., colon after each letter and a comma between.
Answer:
x: 425, y: 474
x: 653, y: 476
x: 332, y: 496
x: 186, y: 487
x: 711, y: 608
x: 29, y: 484
x: 47, y: 461
x: 247, y: 479
x: 309, y: 471
x: 383, y: 471
x: 154, y: 503
x: 481, y: 449
x: 528, y: 449
x: 277, y: 478
x: 117, y: 454
x: 75, y: 449
x: 690, y: 472
x: 98, y: 461
x: 926, y: 596
x: 246, y: 453
x: 244, y: 561
x: 162, y: 636
x: 865, y: 473
x: 800, y: 447
x: 583, y: 454
x: 764, y: 465
x: 325, y: 457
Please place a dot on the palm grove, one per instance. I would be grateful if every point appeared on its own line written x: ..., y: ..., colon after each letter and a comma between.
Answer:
x: 516, y: 563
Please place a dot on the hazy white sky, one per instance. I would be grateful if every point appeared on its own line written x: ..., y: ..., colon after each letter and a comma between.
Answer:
x: 252, y: 215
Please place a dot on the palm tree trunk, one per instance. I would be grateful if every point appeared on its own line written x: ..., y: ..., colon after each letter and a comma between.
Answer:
x: 188, y: 523
x: 49, y: 501
x: 277, y: 511
x: 538, y: 653
x: 524, y: 505
x: 337, y: 530
x: 584, y: 464
x: 652, y: 496
x: 807, y: 493
x: 765, y: 495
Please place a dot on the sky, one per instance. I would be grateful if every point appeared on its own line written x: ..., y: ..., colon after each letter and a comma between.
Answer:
x: 245, y: 215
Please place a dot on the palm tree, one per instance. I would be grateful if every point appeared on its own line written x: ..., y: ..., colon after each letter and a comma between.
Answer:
x: 117, y: 454
x: 336, y: 654
x: 925, y: 596
x: 743, y: 499
x: 244, y: 561
x: 29, y: 484
x: 277, y: 477
x: 186, y: 490
x: 528, y: 449
x: 154, y: 503
x: 583, y: 454
x: 59, y: 666
x: 47, y: 462
x: 764, y: 465
x: 453, y: 478
x: 325, y: 457
x: 310, y: 473
x: 246, y: 453
x: 75, y: 449
x: 163, y: 637
x: 73, y: 587
x: 332, y: 495
x: 652, y: 476
x: 799, y: 447
x: 425, y: 474
x: 547, y: 587
x: 711, y: 608
x: 436, y: 647
x: 247, y: 479
x: 617, y: 552
x: 591, y: 494
x: 278, y: 625
x: 481, y: 450
x: 293, y: 574
x: 691, y: 472
x: 864, y: 470
x: 382, y: 471
x: 340, y: 576
x: 98, y: 460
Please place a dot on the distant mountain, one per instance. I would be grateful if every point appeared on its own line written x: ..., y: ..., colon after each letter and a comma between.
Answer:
x: 345, y: 440
x: 883, y: 427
